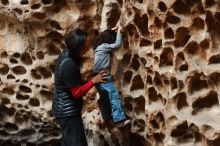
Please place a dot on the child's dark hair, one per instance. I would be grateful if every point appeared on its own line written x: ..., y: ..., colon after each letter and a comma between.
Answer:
x: 108, y: 36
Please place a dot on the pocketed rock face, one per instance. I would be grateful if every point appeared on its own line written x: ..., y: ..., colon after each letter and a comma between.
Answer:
x: 167, y: 70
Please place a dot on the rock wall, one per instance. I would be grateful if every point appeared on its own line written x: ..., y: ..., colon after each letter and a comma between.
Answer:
x: 168, y: 70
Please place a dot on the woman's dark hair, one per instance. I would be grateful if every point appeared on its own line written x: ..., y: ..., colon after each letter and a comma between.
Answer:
x: 75, y: 40
x: 108, y: 36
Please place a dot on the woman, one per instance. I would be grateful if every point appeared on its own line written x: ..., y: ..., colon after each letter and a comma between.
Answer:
x: 69, y: 90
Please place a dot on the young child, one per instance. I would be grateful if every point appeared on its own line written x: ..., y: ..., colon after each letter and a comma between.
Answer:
x: 105, y: 44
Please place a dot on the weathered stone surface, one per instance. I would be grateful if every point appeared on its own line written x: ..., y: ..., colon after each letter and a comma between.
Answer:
x: 168, y: 70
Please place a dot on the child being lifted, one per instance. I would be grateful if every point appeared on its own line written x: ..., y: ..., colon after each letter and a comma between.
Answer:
x: 105, y: 44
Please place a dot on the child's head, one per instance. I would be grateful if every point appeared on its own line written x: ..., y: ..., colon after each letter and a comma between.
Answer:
x: 108, y: 36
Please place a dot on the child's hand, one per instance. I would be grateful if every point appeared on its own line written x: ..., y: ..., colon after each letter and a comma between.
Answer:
x: 115, y: 28
x: 100, y: 78
x: 119, y: 28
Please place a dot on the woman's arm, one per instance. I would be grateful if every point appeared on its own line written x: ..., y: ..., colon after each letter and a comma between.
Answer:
x: 79, y: 91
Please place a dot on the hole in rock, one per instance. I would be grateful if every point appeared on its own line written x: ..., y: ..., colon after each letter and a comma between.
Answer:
x: 55, y: 24
x: 26, y: 58
x: 126, y: 59
x: 4, y: 69
x: 162, y: 6
x: 34, y: 102
x: 24, y: 81
x: 5, y: 101
x: 183, y: 67
x: 44, y: 72
x: 172, y: 18
x: 25, y: 89
x: 182, y: 37
x: 204, y: 44
x: 22, y: 97
x: 135, y: 64
x: 152, y: 95
x: 158, y: 22
x: 5, y: 111
x: 145, y: 42
x: 144, y: 61
x: 9, y: 127
x: 54, y: 35
x: 197, y: 83
x: 180, y: 130
x: 179, y: 58
x: 24, y: 2
x: 16, y: 55
x: 5, y: 2
x: 53, y: 50
x: 113, y: 15
x: 140, y: 1
x: 208, y: 101
x: 149, y: 80
x: 158, y: 44
x: 4, y: 54
x: 159, y: 137
x: 14, y: 61
x: 166, y: 57
x: 47, y: 2
x: 173, y: 83
x: 52, y: 67
x: 26, y: 132
x: 181, y: 101
x: 180, y: 7
x: 154, y: 124
x: 39, y: 15
x: 47, y: 94
x: 19, y: 11
x: 168, y: 33
x: 142, y: 23
x: 209, y: 3
x: 137, y: 83
x: 214, y: 78
x: 157, y: 81
x: 198, y: 23
x: 217, y: 16
x: 127, y: 104
x: 19, y: 70
x: 138, y: 140
x: 192, y: 48
x: 36, y: 6
x: 214, y: 59
x: 40, y: 55
x: 8, y: 90
x: 132, y: 30
x: 140, y: 124
x: 35, y: 74
x: 128, y: 76
x: 139, y: 105
x: 10, y: 76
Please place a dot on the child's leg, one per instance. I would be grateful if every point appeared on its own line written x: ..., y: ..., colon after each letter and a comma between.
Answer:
x: 118, y: 113
x: 104, y: 103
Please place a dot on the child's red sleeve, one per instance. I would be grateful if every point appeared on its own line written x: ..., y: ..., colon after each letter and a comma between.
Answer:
x: 79, y: 91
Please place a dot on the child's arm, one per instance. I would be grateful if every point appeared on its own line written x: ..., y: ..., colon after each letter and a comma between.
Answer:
x: 118, y: 41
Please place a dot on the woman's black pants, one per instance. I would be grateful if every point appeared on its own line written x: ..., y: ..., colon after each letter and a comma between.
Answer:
x: 72, y: 130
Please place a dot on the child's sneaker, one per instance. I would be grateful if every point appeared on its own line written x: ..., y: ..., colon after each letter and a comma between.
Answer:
x: 123, y: 123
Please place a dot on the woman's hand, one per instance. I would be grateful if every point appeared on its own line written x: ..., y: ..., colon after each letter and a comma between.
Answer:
x: 100, y: 78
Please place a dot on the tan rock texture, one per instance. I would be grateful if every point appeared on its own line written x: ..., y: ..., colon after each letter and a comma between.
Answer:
x: 167, y: 71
